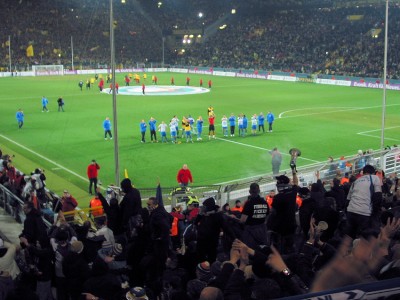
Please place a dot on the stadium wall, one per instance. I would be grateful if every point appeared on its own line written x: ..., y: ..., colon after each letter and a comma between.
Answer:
x: 279, y: 76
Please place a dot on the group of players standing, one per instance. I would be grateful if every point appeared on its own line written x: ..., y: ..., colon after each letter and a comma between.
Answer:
x: 191, y: 127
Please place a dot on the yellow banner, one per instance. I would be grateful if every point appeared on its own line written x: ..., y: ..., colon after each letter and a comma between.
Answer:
x: 29, y: 51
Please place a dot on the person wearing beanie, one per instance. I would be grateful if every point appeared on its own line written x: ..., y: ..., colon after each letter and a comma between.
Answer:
x: 253, y: 216
x: 210, y: 221
x: 365, y: 199
x: 203, y: 271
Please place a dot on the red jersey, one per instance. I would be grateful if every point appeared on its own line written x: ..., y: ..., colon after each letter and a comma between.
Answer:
x: 211, y: 120
x: 184, y: 176
x: 92, y: 170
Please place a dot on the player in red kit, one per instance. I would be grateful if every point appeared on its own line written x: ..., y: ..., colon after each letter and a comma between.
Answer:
x: 101, y: 84
x: 201, y: 82
x: 187, y: 80
x: 211, y: 127
x: 143, y: 88
x: 172, y: 81
x: 209, y: 84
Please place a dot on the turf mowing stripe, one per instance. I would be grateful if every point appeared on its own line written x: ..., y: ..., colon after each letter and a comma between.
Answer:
x: 265, y: 149
x: 45, y: 158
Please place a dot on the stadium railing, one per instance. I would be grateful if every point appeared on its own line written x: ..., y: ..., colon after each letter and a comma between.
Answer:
x: 387, y: 160
x: 12, y: 205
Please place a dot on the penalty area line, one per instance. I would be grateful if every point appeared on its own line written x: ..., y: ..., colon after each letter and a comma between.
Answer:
x: 45, y: 158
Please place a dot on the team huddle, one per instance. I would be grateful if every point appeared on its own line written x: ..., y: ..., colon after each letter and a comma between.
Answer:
x: 191, y: 127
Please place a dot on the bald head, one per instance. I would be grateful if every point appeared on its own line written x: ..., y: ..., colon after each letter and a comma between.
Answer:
x: 211, y: 293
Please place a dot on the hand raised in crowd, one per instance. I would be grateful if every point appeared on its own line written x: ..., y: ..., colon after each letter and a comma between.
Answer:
x: 275, y: 260
x: 348, y: 267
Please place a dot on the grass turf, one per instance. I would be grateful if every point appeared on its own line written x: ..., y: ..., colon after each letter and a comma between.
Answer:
x: 320, y: 120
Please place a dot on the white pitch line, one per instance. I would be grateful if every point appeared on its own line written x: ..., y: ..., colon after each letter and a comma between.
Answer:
x: 362, y: 132
x: 45, y: 158
x: 327, y: 112
x: 265, y: 149
x: 377, y: 136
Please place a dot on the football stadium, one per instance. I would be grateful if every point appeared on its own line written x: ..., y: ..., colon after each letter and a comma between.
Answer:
x: 199, y: 149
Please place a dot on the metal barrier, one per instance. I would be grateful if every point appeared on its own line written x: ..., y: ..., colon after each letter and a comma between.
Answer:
x: 388, y: 160
x: 13, y: 206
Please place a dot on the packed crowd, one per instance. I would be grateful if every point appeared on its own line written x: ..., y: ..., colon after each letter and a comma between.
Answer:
x: 346, y: 234
x: 331, y: 40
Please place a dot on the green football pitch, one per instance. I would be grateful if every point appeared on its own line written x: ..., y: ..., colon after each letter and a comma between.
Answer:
x: 320, y: 120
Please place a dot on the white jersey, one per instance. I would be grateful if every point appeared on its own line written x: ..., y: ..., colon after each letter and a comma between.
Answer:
x: 240, y: 121
x: 162, y: 127
x: 224, y: 122
x: 172, y: 127
x: 253, y: 120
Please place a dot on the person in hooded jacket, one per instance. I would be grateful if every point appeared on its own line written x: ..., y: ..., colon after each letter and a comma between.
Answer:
x: 210, y: 222
x: 131, y: 204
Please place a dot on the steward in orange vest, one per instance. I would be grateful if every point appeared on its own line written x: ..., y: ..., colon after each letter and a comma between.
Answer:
x: 95, y: 202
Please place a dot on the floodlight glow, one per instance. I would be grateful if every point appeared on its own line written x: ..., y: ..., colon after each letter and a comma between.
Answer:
x: 191, y: 36
x: 222, y: 27
x: 183, y: 51
x: 200, y: 14
x: 159, y: 4
x: 233, y: 11
x: 184, y: 41
x: 189, y: 41
x: 123, y: 1
x: 199, y: 36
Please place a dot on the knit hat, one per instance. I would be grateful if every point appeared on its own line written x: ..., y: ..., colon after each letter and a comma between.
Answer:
x: 203, y: 271
x: 117, y: 249
x: 77, y: 246
x: 136, y: 293
x: 209, y: 203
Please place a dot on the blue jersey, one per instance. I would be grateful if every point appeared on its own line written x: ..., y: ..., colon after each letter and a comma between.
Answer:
x: 244, y: 122
x: 107, y: 125
x: 152, y: 124
x: 199, y: 125
x: 45, y: 101
x: 261, y: 120
x: 270, y: 118
x: 232, y: 121
x: 143, y: 127
x: 20, y: 116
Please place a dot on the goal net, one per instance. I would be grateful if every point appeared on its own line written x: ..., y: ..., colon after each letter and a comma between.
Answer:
x: 46, y: 70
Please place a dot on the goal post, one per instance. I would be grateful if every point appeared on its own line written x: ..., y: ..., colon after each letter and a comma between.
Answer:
x: 47, y: 70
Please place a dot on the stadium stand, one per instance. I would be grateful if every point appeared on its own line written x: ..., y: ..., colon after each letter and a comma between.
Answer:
x: 324, y: 39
